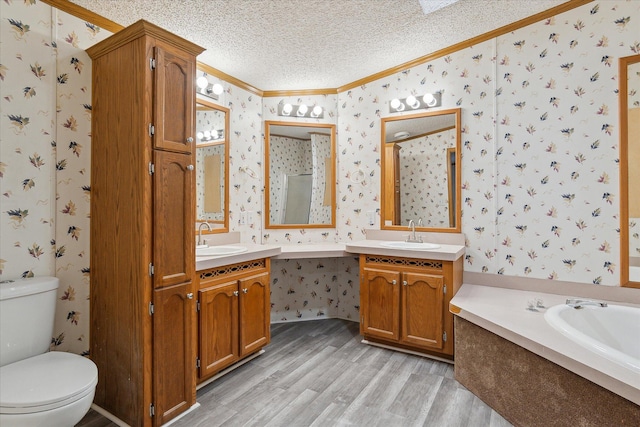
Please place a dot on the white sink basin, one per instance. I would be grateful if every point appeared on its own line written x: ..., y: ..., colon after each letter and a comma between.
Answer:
x: 410, y: 245
x: 220, y: 250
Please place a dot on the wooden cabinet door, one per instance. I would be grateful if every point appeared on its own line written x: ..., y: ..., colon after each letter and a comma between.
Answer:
x: 380, y: 303
x: 173, y: 219
x: 174, y: 100
x: 218, y: 327
x: 255, y: 310
x: 423, y: 310
x: 173, y: 355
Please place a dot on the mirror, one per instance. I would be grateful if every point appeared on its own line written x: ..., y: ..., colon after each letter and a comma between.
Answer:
x: 629, y: 96
x: 421, y: 171
x: 212, y: 160
x: 300, y: 175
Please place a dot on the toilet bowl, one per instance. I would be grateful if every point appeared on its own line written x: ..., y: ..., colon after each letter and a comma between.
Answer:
x: 38, y: 388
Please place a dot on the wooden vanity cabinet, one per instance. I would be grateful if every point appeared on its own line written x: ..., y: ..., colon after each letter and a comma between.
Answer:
x: 404, y: 302
x: 142, y: 257
x: 234, y: 310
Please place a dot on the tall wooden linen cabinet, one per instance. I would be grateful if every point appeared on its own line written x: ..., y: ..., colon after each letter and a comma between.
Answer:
x: 143, y: 308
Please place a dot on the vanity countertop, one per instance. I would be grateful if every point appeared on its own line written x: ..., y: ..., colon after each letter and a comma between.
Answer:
x: 253, y: 252
x: 319, y: 250
x: 445, y: 252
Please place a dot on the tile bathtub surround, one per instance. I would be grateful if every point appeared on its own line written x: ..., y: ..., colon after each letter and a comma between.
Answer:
x: 539, y: 168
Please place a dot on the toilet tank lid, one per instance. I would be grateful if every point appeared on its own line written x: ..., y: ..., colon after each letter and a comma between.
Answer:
x: 21, y: 287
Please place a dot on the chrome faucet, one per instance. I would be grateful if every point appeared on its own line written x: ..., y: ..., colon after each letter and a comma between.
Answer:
x: 580, y: 303
x: 412, y: 237
x: 200, y: 231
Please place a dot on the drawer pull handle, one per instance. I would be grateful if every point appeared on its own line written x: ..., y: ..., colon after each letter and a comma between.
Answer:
x: 245, y: 290
x: 190, y: 295
x: 190, y: 140
x: 404, y: 282
x: 235, y: 293
x: 393, y: 282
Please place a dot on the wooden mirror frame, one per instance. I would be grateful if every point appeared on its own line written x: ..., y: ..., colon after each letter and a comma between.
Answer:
x: 624, y: 169
x: 225, y: 222
x: 388, y: 175
x: 332, y: 172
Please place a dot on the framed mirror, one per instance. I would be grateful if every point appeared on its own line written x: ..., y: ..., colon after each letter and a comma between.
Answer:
x: 421, y: 171
x: 629, y: 98
x: 300, y: 175
x: 212, y: 164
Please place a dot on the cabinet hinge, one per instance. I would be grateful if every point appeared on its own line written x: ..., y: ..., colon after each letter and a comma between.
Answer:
x: 152, y: 63
x: 152, y: 129
x: 152, y: 168
x: 444, y: 336
x: 197, y: 305
x: 197, y: 362
x: 151, y: 269
x: 150, y: 309
x: 152, y: 410
x: 444, y: 290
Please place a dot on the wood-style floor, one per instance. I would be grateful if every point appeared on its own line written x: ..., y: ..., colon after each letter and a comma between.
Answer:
x: 318, y: 373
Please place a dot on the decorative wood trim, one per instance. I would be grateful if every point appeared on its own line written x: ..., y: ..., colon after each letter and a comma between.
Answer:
x: 624, y: 169
x: 411, y: 262
x: 225, y: 270
x: 545, y: 14
x: 84, y: 14
x: 299, y: 92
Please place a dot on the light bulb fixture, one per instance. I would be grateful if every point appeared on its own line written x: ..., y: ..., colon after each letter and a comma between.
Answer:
x: 301, y: 111
x: 429, y: 100
x: 204, y: 87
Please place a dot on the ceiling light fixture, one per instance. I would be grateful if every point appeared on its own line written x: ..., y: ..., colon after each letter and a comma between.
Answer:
x: 429, y: 100
x: 302, y: 110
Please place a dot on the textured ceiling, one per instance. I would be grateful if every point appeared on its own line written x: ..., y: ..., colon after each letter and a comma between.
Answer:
x: 316, y: 44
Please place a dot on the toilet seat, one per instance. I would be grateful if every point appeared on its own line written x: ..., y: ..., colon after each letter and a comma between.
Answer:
x: 45, y: 382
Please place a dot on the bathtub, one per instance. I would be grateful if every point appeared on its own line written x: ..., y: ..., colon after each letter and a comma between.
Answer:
x: 613, y: 332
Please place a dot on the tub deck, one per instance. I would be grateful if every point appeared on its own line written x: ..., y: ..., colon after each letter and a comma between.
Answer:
x: 504, y: 313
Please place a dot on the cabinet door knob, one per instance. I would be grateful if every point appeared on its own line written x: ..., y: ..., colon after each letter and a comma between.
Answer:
x: 235, y: 293
x: 190, y: 139
x: 190, y: 167
x: 245, y: 290
x: 190, y: 295
x: 393, y: 282
x: 404, y: 282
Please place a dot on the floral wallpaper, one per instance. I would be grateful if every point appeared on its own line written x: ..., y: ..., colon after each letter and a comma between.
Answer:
x: 539, y: 161
x: 46, y: 137
x: 424, y: 183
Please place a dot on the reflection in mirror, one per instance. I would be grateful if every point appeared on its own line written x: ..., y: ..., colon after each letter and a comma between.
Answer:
x: 300, y: 175
x: 421, y: 171
x: 212, y: 160
x: 629, y: 171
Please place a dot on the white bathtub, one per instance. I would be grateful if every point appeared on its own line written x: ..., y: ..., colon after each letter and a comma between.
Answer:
x: 612, y: 332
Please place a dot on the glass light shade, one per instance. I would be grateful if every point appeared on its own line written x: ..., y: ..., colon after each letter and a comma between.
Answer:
x: 286, y: 109
x: 413, y: 102
x: 429, y: 99
x: 395, y: 103
x: 200, y: 135
x: 317, y: 110
x: 207, y: 134
x: 217, y: 88
x: 302, y: 109
x: 202, y: 82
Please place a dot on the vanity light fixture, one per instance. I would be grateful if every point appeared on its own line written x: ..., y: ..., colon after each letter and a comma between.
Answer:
x: 412, y: 102
x: 302, y: 110
x: 212, y: 90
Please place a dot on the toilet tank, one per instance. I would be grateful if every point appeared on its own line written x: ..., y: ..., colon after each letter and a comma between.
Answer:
x: 27, y: 309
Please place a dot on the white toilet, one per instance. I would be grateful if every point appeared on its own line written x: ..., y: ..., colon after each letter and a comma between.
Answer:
x: 38, y: 387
